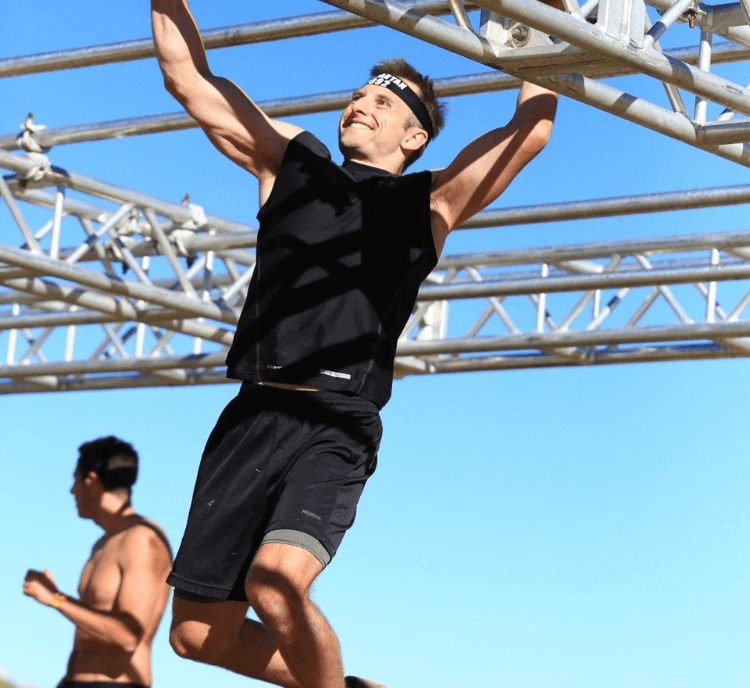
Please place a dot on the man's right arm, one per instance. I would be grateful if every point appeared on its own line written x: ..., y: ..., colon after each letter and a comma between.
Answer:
x: 113, y: 627
x: 233, y: 123
x: 139, y: 573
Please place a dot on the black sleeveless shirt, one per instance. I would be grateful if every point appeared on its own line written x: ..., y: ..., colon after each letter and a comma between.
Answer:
x: 341, y: 253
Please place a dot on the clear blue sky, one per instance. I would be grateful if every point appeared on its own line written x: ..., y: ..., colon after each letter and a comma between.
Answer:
x: 578, y: 527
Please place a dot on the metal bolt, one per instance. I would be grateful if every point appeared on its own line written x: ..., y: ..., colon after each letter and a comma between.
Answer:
x: 520, y: 35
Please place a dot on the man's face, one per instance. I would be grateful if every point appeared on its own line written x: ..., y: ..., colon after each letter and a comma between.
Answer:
x: 81, y: 493
x: 373, y: 124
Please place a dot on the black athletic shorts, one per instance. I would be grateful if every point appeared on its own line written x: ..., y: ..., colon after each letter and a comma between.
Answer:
x: 280, y: 466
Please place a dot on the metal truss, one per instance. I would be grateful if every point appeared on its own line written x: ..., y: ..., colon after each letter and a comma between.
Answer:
x: 121, y: 289
x: 106, y: 287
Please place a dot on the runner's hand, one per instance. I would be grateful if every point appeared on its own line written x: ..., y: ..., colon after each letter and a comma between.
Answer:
x: 40, y: 585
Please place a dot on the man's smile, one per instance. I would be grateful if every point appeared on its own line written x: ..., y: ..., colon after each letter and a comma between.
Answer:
x: 357, y: 124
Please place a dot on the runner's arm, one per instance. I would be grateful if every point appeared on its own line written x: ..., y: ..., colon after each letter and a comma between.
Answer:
x: 485, y: 168
x: 233, y: 123
x: 111, y: 627
x: 143, y: 571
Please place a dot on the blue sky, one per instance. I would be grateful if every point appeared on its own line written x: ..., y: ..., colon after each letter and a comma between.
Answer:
x: 580, y: 527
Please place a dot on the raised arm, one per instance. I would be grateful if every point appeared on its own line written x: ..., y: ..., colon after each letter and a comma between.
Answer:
x: 233, y: 123
x: 485, y: 168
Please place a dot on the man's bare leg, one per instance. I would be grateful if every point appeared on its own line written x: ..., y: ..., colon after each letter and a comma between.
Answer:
x: 294, y: 646
x: 278, y: 587
x: 218, y: 633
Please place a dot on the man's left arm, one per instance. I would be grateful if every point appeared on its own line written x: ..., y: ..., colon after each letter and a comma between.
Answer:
x: 485, y: 168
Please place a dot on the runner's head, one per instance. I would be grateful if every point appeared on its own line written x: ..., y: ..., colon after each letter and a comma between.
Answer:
x: 114, y: 461
x: 427, y: 111
x: 391, y: 119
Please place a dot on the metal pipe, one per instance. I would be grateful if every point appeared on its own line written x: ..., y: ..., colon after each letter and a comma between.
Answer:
x: 646, y: 354
x: 119, y: 309
x: 704, y: 63
x: 79, y: 274
x: 687, y: 199
x: 26, y: 233
x: 673, y: 94
x: 507, y: 286
x: 721, y: 16
x: 243, y: 34
x: 131, y: 381
x: 114, y: 365
x: 675, y: 11
x: 557, y: 255
x: 715, y: 133
x: 165, y: 248
x: 459, y: 14
x: 56, y: 319
x: 711, y: 303
x: 325, y: 102
x: 613, y: 336
x: 54, y: 250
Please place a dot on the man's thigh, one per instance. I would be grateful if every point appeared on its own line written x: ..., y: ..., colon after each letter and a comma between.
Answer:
x: 207, y: 624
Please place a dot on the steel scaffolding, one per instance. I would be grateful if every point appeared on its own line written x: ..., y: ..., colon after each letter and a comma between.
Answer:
x: 107, y: 287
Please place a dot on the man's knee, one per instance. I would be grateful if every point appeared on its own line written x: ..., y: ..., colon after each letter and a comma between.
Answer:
x: 273, y: 596
x: 186, y: 641
x: 204, y: 631
x: 194, y: 640
x: 278, y: 583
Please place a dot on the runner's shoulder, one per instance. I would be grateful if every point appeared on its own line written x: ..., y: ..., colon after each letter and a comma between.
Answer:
x: 146, y: 533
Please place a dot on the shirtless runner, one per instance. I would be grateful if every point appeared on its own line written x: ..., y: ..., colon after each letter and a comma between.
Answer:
x: 122, y: 591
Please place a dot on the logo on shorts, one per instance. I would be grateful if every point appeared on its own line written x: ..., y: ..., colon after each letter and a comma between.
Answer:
x: 311, y: 514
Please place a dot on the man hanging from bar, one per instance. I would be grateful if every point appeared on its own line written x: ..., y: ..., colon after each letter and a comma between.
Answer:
x: 342, y: 250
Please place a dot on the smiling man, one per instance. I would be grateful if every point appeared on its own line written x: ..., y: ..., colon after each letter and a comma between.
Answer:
x: 123, y: 591
x: 342, y: 250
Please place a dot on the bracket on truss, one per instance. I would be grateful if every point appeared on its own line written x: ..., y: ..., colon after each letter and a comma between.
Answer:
x: 621, y: 20
x: 26, y: 139
x: 509, y: 33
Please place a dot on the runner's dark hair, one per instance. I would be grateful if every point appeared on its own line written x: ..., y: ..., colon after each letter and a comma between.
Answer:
x: 113, y: 460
